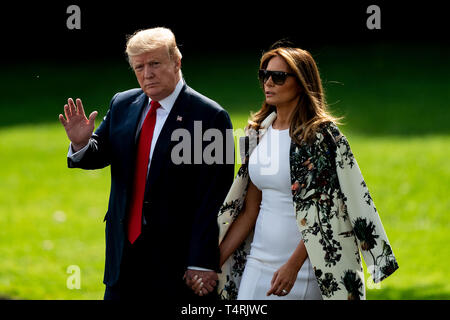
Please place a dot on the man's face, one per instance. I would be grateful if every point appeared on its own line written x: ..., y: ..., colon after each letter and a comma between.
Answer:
x: 156, y: 73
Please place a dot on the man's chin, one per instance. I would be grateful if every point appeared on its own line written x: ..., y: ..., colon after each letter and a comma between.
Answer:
x: 152, y: 93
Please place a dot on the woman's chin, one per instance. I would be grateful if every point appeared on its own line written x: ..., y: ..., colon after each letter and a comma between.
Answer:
x: 271, y: 101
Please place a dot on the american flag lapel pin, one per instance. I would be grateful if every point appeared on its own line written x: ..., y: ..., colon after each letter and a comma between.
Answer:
x: 179, y: 118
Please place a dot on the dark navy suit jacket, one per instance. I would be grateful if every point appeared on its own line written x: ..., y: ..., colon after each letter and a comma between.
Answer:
x: 181, y: 201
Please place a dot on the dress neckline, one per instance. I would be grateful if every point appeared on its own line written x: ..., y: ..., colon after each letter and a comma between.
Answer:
x: 282, y: 130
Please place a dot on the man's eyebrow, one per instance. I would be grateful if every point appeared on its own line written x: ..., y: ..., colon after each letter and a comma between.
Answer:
x: 139, y: 64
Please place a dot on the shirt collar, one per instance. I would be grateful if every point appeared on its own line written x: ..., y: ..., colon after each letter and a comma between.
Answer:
x: 168, y: 102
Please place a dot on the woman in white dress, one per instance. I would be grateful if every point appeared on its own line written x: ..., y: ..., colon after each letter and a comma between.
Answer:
x: 278, y: 265
x: 299, y: 211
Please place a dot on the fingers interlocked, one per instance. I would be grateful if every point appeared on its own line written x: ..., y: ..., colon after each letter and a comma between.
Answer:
x: 201, y: 282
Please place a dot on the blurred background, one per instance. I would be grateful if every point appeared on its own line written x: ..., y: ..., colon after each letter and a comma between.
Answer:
x: 390, y: 84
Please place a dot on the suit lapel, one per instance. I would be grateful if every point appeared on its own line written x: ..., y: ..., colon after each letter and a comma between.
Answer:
x: 133, y: 117
x: 176, y: 119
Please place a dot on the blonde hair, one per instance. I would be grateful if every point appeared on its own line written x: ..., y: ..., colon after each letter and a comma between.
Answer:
x: 311, y: 110
x: 146, y: 40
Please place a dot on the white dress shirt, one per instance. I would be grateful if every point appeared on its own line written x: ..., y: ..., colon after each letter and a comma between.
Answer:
x: 161, y: 116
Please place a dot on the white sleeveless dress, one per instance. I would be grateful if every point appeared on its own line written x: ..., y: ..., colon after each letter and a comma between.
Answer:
x: 276, y: 233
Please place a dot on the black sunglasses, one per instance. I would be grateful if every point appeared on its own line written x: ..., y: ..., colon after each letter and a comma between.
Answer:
x: 278, y: 77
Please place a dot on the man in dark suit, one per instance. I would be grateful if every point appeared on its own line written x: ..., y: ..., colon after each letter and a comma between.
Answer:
x: 161, y: 227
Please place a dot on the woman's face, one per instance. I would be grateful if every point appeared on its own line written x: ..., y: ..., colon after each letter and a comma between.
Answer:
x: 285, y: 94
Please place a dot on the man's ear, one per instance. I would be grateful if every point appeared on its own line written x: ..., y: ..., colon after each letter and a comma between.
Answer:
x: 177, y: 65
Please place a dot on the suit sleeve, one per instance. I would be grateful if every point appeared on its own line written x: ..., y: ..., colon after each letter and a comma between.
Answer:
x: 215, y: 181
x: 372, y: 239
x: 98, y: 153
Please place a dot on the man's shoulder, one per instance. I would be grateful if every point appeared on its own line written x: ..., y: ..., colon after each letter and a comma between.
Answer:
x: 203, y: 101
x: 128, y: 95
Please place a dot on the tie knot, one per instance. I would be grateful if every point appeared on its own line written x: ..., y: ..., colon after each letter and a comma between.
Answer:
x: 154, y: 105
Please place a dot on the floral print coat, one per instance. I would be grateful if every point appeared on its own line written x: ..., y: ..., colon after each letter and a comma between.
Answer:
x: 334, y: 212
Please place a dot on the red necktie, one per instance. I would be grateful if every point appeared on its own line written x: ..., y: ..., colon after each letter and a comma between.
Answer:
x: 140, y: 174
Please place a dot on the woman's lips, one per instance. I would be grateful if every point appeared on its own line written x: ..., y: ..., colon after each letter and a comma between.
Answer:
x: 269, y: 93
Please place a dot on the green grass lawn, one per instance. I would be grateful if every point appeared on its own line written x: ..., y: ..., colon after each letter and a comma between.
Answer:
x: 396, y: 120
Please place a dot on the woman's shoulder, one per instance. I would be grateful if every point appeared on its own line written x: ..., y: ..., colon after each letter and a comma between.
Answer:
x: 329, y: 139
x: 324, y: 139
x: 328, y: 132
x: 329, y: 128
x: 333, y: 138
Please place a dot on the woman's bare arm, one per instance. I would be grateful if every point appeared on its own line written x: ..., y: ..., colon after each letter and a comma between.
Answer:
x: 243, y: 224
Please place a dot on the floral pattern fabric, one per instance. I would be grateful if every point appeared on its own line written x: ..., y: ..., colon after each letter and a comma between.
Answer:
x: 334, y: 211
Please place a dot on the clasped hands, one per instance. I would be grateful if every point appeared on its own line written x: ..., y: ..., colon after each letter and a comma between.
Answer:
x: 201, y: 282
x: 204, y: 282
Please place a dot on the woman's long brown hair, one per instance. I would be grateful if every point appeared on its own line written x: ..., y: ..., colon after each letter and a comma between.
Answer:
x: 312, y: 109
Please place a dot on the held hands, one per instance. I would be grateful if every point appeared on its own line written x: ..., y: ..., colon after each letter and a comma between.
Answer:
x: 78, y: 128
x: 284, y: 279
x: 201, y: 282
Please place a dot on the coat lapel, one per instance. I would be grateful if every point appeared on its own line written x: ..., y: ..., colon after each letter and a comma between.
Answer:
x: 128, y: 131
x: 134, y: 115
